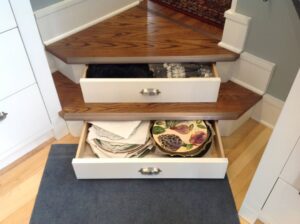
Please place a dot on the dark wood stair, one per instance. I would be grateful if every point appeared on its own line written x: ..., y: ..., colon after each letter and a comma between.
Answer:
x: 233, y: 101
x: 147, y: 33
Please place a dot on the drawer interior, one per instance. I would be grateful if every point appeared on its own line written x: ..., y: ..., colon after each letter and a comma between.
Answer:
x: 84, y: 150
x: 191, y: 70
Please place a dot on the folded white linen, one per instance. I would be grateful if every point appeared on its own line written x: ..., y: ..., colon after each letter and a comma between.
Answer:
x: 138, y: 137
x: 120, y: 128
x: 105, y: 154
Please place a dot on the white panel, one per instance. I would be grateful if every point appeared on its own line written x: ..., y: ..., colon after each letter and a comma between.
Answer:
x: 282, y: 141
x: 283, y: 205
x: 171, y: 90
x: 291, y: 171
x: 15, y: 70
x: 170, y: 168
x: 75, y: 127
x: 71, y: 71
x: 7, y: 20
x: 26, y: 117
x: 253, y: 72
x: 227, y: 127
x: 235, y: 31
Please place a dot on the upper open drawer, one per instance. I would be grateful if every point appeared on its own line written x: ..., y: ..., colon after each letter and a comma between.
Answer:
x: 151, y: 90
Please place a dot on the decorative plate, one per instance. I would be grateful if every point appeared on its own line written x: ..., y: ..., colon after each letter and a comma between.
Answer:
x: 182, y: 138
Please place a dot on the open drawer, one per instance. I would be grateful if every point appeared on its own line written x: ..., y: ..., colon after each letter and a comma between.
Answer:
x: 151, y: 90
x: 87, y: 166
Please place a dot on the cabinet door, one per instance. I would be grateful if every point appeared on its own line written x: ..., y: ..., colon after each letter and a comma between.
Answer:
x: 291, y: 171
x: 283, y: 205
x: 15, y: 69
x: 26, y: 120
x: 7, y: 20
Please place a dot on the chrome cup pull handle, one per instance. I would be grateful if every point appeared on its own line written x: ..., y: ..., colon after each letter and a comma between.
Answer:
x: 3, y: 115
x: 150, y: 171
x: 150, y: 92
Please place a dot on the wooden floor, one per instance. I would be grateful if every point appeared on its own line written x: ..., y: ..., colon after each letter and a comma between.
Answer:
x: 19, y: 183
x: 233, y: 101
x: 143, y: 34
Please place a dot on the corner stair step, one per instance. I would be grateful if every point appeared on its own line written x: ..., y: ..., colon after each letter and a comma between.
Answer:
x: 233, y: 101
x: 147, y: 33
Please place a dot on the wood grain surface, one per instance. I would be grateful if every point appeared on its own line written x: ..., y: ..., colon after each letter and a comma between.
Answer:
x: 233, y: 101
x: 143, y: 34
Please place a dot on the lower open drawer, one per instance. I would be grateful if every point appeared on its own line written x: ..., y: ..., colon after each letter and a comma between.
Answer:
x: 87, y: 166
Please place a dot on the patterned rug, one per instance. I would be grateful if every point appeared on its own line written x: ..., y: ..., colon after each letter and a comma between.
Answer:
x: 210, y: 11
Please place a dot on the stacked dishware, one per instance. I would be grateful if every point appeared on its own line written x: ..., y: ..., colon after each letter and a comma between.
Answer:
x: 183, y: 138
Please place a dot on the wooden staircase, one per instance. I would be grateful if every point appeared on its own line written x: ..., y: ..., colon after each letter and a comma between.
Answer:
x: 148, y: 33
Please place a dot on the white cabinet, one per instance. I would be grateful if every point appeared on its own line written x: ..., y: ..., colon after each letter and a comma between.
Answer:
x: 291, y: 171
x: 283, y: 205
x: 15, y: 70
x: 26, y: 118
x: 7, y: 20
x: 27, y: 124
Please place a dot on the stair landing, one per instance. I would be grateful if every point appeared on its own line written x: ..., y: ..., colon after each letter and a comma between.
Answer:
x: 147, y: 33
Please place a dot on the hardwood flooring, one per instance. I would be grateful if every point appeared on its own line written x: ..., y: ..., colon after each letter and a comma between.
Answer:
x: 143, y: 34
x: 233, y: 101
x: 19, y: 183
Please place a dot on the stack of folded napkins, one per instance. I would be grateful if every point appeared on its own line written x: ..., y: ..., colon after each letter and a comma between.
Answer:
x: 119, y: 139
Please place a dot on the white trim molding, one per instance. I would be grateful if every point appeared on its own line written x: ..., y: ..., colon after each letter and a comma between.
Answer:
x: 57, y: 21
x: 235, y: 31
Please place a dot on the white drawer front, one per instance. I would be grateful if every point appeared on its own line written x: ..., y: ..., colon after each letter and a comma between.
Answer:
x: 87, y: 166
x: 283, y: 205
x: 96, y: 90
x: 7, y: 19
x: 291, y: 171
x: 26, y: 117
x: 15, y: 69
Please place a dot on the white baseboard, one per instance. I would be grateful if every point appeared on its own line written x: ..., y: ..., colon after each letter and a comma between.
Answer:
x: 20, y: 150
x: 268, y: 110
x: 71, y: 16
x: 235, y: 30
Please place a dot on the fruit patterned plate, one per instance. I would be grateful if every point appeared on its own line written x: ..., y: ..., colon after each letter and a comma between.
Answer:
x: 183, y: 138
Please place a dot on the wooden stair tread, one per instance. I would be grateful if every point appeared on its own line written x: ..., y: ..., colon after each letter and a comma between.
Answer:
x: 147, y: 33
x: 233, y: 101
